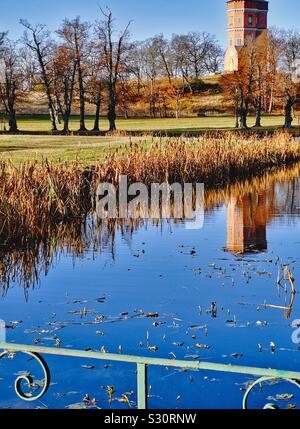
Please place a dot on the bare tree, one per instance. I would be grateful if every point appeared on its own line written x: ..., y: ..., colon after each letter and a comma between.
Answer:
x: 179, y: 48
x: 291, y: 55
x: 114, y: 54
x: 288, y: 46
x: 170, y: 65
x: 37, y: 38
x: 135, y: 64
x: 76, y: 36
x: 11, y: 80
x: 95, y: 85
x: 29, y: 66
x: 151, y: 68
x: 204, y: 53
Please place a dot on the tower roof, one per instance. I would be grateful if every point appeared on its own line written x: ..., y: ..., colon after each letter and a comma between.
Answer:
x: 252, y: 1
x: 262, y: 5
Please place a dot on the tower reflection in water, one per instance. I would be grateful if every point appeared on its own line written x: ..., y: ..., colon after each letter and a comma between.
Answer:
x: 248, y: 214
x: 247, y: 219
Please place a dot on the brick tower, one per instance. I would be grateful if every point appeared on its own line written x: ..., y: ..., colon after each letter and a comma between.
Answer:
x: 247, y: 19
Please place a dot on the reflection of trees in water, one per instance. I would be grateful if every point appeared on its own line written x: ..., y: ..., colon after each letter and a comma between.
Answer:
x: 259, y: 200
x: 288, y: 197
x: 25, y: 265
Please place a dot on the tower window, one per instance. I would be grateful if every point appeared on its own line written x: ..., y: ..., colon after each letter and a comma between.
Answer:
x: 239, y: 42
x: 250, y: 19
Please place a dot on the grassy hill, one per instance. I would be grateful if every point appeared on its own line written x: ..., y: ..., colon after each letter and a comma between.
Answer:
x: 207, y: 97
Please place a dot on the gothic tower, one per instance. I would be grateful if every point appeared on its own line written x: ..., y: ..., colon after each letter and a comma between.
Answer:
x: 247, y: 19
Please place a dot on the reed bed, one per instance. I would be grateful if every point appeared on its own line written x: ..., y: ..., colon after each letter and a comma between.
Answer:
x: 34, y: 197
x: 213, y: 160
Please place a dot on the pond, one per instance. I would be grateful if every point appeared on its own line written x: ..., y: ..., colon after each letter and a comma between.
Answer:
x: 218, y: 294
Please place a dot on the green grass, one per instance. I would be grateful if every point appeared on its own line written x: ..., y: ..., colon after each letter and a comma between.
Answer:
x: 41, y: 123
x: 67, y: 148
x: 20, y: 148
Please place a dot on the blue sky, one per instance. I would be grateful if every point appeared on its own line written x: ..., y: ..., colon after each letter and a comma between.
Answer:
x: 149, y: 17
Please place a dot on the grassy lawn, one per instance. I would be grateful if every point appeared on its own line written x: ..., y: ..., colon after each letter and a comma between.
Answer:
x: 67, y: 148
x: 42, y: 123
x: 21, y: 148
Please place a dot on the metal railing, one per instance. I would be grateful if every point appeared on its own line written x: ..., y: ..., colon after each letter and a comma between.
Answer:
x: 142, y: 363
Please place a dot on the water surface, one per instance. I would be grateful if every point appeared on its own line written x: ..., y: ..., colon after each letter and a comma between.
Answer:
x: 94, y: 288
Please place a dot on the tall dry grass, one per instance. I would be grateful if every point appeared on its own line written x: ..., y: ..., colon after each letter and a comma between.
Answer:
x: 213, y: 160
x: 34, y: 196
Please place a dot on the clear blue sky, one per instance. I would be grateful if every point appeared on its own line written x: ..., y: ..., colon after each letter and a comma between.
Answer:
x: 149, y: 17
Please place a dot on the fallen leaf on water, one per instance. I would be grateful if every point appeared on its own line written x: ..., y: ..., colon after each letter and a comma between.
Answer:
x: 152, y: 315
x: 260, y: 323
x: 202, y: 346
x: 110, y: 391
x: 237, y: 355
x: 124, y: 400
x: 283, y: 397
x: 86, y: 399
x: 153, y: 349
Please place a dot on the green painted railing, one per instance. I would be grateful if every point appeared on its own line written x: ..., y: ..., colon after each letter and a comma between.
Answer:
x: 142, y: 364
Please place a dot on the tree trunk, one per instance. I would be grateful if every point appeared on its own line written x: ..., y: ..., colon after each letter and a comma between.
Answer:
x: 152, y: 106
x: 288, y: 109
x: 177, y: 111
x: 81, y: 85
x: 66, y: 123
x: 48, y: 91
x: 237, y: 117
x: 57, y: 114
x: 68, y: 98
x: 243, y: 112
x: 11, y: 113
x: 97, y: 113
x: 82, y: 101
x: 271, y: 101
x: 258, y: 112
x: 12, y: 120
x: 243, y: 118
x: 152, y: 100
x: 112, y: 110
